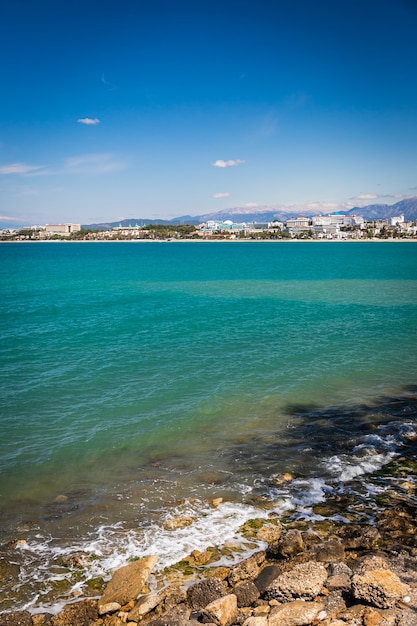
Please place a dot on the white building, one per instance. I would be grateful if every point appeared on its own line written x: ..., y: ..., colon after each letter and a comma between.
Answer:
x: 337, y: 220
x: 296, y: 225
x: 395, y: 221
x: 62, y: 229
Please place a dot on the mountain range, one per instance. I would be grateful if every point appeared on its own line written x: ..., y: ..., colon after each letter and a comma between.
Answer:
x: 407, y: 207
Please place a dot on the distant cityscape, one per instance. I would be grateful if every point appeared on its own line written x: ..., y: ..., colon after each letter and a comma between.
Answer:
x: 319, y: 227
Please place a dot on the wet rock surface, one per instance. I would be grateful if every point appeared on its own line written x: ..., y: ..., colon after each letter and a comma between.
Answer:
x: 309, y: 574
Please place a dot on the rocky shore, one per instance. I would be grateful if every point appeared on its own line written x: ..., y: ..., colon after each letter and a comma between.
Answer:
x: 309, y: 574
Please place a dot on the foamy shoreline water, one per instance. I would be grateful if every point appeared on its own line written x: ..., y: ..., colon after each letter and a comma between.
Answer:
x: 354, y: 476
x: 142, y: 382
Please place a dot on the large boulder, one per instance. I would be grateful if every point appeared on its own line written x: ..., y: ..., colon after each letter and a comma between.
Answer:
x: 205, y: 591
x: 288, y: 546
x: 302, y: 581
x: 380, y: 587
x: 329, y: 551
x: 222, y: 612
x: 297, y: 613
x: 266, y: 576
x: 248, y: 569
x: 247, y: 593
x: 128, y: 581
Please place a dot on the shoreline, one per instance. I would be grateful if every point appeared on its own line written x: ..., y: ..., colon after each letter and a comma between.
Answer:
x: 206, y: 241
x: 349, y: 505
x: 283, y: 544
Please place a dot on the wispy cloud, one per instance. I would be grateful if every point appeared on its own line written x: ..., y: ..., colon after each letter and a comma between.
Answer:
x: 364, y: 198
x: 106, y: 82
x: 367, y: 196
x: 221, y: 194
x: 19, y: 168
x: 9, y: 218
x: 93, y: 164
x: 229, y: 163
x: 89, y: 121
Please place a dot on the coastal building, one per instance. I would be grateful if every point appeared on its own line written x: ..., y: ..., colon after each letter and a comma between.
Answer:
x: 396, y: 220
x: 297, y: 225
x: 211, y: 228
x: 337, y: 220
x: 62, y: 229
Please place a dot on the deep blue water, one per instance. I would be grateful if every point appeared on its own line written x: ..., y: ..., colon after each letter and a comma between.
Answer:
x: 138, y: 375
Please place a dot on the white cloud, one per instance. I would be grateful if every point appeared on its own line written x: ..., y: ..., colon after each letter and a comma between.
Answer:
x: 229, y: 163
x: 19, y: 168
x: 89, y: 121
x: 93, y: 164
x: 364, y: 198
x: 9, y: 218
x: 222, y: 194
x: 367, y: 196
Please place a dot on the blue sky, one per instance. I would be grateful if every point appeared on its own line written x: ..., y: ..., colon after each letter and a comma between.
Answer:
x: 159, y: 108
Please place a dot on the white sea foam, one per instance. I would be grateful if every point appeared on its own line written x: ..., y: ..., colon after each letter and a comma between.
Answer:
x: 112, y: 547
x: 109, y: 547
x: 347, y: 468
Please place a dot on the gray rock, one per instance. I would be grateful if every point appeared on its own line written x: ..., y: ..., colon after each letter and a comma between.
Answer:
x: 297, y: 613
x: 334, y: 604
x: 175, y: 617
x: 338, y: 568
x: 302, y: 581
x: 356, y: 537
x: 173, y: 596
x: 266, y: 576
x: 248, y: 569
x: 288, y: 546
x: 202, y: 593
x: 246, y: 593
x: 329, y: 551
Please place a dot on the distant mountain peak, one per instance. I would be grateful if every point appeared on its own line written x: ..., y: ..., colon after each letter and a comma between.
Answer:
x: 266, y: 213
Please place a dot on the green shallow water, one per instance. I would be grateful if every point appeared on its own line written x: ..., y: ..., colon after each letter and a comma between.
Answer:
x: 119, y: 359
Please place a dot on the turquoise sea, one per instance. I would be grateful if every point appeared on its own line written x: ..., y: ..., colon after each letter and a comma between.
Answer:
x: 141, y: 379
